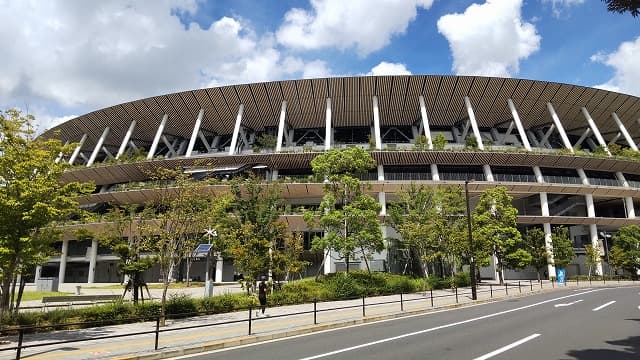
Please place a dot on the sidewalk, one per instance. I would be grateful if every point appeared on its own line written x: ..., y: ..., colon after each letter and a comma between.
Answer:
x: 193, y: 335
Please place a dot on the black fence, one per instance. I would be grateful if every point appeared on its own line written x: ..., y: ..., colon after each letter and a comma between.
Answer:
x: 492, y: 289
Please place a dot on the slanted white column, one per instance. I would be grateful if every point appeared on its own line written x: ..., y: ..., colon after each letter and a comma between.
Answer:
x: 219, y: 266
x: 76, y: 151
x: 591, y: 213
x: 96, y: 150
x: 628, y: 201
x: 382, y: 196
x: 156, y: 139
x: 93, y: 257
x: 376, y: 123
x: 63, y: 261
x: 283, y: 113
x: 425, y: 122
x: 194, y: 133
x: 474, y: 124
x: 558, y: 124
x: 328, y: 136
x: 516, y: 119
x: 623, y: 130
x: 595, y: 130
x: 435, y: 175
x: 236, y: 130
x: 125, y: 141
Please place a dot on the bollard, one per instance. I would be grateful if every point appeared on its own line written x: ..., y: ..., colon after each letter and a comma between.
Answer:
x: 363, y: 314
x: 491, y: 290
x: 157, y: 332
x: 315, y: 311
x: 20, y: 337
x: 456, y: 295
x: 250, y: 311
x: 531, y: 284
x: 431, y: 291
x: 540, y: 284
x: 506, y: 289
x: 519, y: 288
x: 401, y: 304
x: 604, y: 281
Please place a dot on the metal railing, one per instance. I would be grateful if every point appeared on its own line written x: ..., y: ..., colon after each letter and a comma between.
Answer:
x: 431, y: 299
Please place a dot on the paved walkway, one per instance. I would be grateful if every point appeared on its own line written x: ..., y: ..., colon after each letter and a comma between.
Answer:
x: 192, y: 335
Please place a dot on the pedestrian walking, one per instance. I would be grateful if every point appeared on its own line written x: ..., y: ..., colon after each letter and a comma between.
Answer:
x: 262, y: 295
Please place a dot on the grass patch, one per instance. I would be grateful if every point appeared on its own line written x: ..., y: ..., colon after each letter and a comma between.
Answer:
x: 38, y: 295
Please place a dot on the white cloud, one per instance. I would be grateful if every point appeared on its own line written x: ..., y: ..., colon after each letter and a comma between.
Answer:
x: 367, y: 25
x: 624, y: 61
x: 558, y: 6
x: 76, y: 56
x: 489, y: 39
x: 385, y: 68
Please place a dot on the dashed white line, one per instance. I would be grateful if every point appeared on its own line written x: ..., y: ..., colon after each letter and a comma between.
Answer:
x: 568, y: 304
x: 508, y: 347
x: 603, y: 305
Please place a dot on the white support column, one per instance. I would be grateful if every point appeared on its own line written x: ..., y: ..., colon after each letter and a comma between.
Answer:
x: 382, y: 196
x: 169, y: 146
x: 435, y: 175
x: 376, y: 123
x: 516, y: 119
x: 93, y: 257
x: 125, y: 141
x: 156, y: 139
x: 96, y: 150
x: 63, y: 261
x: 545, y: 137
x: 194, y: 133
x: 236, y: 130
x: 628, y: 201
x: 506, y: 134
x: 107, y: 152
x: 591, y: 213
x: 204, y: 141
x: 595, y: 130
x: 328, y: 136
x: 38, y: 273
x: 623, y: 129
x: 425, y: 122
x: 558, y: 124
x: 283, y: 113
x: 60, y: 154
x: 583, y: 137
x: 487, y: 172
x: 76, y: 151
x: 274, y: 174
x: 219, y: 266
x: 474, y: 124
x: 544, y: 207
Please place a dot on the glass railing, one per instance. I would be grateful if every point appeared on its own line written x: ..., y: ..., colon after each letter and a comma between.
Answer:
x: 462, y: 176
x: 515, y: 177
x: 562, y: 179
x: 407, y: 176
x: 604, y: 182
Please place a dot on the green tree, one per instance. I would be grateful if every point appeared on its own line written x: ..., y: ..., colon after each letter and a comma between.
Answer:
x: 562, y: 247
x: 626, y: 243
x: 439, y: 142
x: 286, y: 260
x: 346, y: 214
x: 536, y: 246
x: 622, y: 6
x: 32, y: 200
x: 592, y: 257
x: 495, y: 231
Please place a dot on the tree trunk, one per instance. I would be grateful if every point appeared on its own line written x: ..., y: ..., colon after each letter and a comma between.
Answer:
x: 346, y: 259
x: 13, y: 293
x: 188, y: 270
x: 23, y: 282
x: 500, y: 272
x: 4, y: 300
x: 364, y: 257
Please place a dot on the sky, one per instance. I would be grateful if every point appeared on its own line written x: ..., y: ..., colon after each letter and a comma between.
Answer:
x: 64, y: 58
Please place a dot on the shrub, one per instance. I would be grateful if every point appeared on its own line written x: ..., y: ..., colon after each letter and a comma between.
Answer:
x: 147, y: 310
x: 343, y: 286
x: 299, y: 292
x: 180, y: 305
x: 114, y: 313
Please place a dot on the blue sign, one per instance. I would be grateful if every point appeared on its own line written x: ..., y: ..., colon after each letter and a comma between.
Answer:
x: 561, y: 276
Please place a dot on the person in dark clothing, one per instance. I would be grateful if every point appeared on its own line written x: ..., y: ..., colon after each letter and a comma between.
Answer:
x: 262, y: 296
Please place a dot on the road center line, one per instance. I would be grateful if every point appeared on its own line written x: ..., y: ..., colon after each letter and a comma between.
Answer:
x: 508, y: 347
x: 381, y: 341
x: 603, y: 305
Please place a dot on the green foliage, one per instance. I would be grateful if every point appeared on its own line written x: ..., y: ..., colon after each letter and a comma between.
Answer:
x: 181, y: 305
x: 147, y: 310
x: 562, y: 247
x: 470, y: 142
x: 626, y: 248
x: 300, y: 292
x: 622, y: 6
x: 422, y: 143
x: 439, y: 142
x: 592, y: 258
x: 344, y: 286
x: 535, y: 244
x: 108, y: 314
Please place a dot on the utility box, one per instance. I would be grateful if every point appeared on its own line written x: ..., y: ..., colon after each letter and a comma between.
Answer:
x: 47, y: 284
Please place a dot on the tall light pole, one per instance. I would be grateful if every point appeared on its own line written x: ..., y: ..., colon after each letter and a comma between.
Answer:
x: 472, y: 261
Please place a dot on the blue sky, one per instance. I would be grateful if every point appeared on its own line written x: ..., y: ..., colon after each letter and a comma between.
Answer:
x: 68, y: 57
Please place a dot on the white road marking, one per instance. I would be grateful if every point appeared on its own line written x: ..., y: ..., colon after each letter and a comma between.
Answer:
x: 603, y: 306
x: 567, y: 304
x: 381, y: 341
x: 508, y: 347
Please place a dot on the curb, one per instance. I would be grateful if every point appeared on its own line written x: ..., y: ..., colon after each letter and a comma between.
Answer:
x: 252, y: 339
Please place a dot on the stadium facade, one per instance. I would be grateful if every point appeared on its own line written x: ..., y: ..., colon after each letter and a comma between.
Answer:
x: 527, y: 135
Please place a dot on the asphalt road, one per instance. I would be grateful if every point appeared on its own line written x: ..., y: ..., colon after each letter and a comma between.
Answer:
x: 585, y: 324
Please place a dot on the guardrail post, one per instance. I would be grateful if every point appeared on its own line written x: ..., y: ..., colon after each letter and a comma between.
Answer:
x: 506, y: 289
x: 431, y: 296
x: 401, y: 304
x: 541, y: 284
x: 519, y: 288
x: 315, y: 312
x: 456, y: 294
x: 604, y: 279
x: 531, y: 284
x: 577, y: 281
x: 157, y: 332
x: 250, y: 312
x: 491, y: 290
x: 363, y: 313
x: 20, y: 337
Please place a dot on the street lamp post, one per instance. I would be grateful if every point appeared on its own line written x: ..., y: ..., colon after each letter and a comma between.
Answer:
x: 472, y: 261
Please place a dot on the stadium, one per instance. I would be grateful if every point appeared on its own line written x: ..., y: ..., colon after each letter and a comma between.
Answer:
x: 554, y: 146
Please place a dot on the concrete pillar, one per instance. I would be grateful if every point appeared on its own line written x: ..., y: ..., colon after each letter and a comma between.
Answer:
x: 624, y: 132
x: 93, y: 257
x: 474, y: 124
x: 558, y: 124
x: 76, y: 151
x: 591, y: 213
x: 194, y: 133
x: 236, y: 130
x: 376, y: 124
x: 425, y: 122
x: 156, y: 139
x: 63, y: 261
x: 596, y: 131
x: 516, y: 119
x: 219, y: 267
x: 283, y: 113
x: 328, y: 138
x: 435, y: 175
x: 96, y: 150
x: 38, y: 273
x: 125, y: 141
